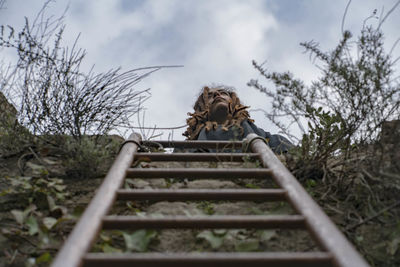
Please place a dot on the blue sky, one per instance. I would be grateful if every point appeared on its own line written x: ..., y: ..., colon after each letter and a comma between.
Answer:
x: 215, y: 40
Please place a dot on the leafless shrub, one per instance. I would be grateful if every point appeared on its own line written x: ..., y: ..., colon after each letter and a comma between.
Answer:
x: 54, y: 95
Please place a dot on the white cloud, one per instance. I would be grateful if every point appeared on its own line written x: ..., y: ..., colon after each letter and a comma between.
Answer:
x: 215, y: 40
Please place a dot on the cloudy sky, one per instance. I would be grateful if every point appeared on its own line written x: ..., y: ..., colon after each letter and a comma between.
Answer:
x: 215, y: 41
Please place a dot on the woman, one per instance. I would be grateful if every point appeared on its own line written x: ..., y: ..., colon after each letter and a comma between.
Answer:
x: 219, y: 115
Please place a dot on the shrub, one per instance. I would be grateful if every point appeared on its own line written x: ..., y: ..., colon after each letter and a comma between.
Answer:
x: 53, y: 94
x: 346, y: 105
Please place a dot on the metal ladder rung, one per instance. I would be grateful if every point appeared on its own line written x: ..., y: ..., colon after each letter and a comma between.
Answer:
x: 233, y: 157
x: 197, y: 173
x: 232, y: 222
x: 219, y: 145
x: 202, y: 194
x: 219, y: 259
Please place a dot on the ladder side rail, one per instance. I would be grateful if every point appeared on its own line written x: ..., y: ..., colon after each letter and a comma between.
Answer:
x: 85, y: 231
x: 320, y: 226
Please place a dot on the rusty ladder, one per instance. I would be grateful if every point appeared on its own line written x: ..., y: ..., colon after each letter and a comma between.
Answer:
x: 335, y: 249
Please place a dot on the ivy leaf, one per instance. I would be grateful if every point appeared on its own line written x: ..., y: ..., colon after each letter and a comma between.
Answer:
x: 139, y: 240
x: 393, y: 246
x: 247, y: 245
x: 110, y: 249
x: 18, y: 216
x: 49, y: 222
x: 32, y: 223
x: 44, y: 258
x: 51, y: 202
x: 60, y: 188
x: 267, y: 235
x: 214, y: 240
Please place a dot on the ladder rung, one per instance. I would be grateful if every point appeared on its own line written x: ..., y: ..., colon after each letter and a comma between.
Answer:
x: 233, y: 221
x: 202, y: 194
x: 197, y: 173
x: 219, y: 259
x: 219, y: 145
x: 233, y: 157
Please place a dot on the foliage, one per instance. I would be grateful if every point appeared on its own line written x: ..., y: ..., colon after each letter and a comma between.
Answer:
x: 349, y: 117
x: 214, y: 238
x: 91, y: 157
x: 137, y: 241
x: 56, y: 100
x: 54, y: 95
x: 13, y: 137
x: 348, y: 103
x: 9, y: 129
x: 38, y: 222
x: 35, y: 188
x: 207, y: 207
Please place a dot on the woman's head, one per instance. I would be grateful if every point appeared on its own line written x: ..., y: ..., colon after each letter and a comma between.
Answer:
x: 215, y: 105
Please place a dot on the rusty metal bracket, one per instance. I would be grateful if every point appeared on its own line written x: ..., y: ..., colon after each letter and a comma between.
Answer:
x: 248, y: 142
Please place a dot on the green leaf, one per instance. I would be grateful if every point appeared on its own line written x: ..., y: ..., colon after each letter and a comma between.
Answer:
x: 214, y: 240
x: 18, y: 216
x: 247, y: 245
x: 250, y: 185
x: 31, y: 262
x: 60, y: 188
x: 267, y: 235
x: 110, y: 249
x: 49, y: 222
x: 311, y: 183
x: 32, y: 223
x: 139, y: 240
x: 220, y: 232
x: 51, y: 202
x: 45, y: 257
x: 104, y: 237
x: 393, y: 246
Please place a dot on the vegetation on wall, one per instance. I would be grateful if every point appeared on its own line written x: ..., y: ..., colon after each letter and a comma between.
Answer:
x: 350, y: 119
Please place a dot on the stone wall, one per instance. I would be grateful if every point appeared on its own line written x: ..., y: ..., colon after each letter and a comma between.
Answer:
x: 8, y: 113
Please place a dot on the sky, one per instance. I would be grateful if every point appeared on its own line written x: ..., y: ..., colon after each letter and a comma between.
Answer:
x: 214, y: 40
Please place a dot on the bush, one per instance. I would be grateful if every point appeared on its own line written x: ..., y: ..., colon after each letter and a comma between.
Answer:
x: 53, y: 95
x: 347, y: 104
x: 351, y: 140
x: 56, y: 100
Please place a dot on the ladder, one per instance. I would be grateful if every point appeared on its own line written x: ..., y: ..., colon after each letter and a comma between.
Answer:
x: 335, y: 250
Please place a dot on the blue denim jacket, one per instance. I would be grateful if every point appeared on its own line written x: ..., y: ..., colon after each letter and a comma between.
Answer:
x: 278, y: 143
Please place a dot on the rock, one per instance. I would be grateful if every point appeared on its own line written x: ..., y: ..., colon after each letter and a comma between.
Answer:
x: 204, y: 184
x: 176, y: 241
x: 173, y: 208
x: 390, y: 133
x: 138, y: 183
x: 158, y: 183
x: 8, y: 114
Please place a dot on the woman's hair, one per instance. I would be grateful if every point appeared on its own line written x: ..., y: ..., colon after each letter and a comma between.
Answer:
x: 200, y: 118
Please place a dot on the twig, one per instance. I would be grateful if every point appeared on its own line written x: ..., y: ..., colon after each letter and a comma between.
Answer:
x: 373, y: 216
x: 159, y: 128
x: 20, y: 167
x: 387, y: 14
x: 367, y: 174
x: 38, y: 158
x: 390, y: 175
x: 13, y: 256
x: 344, y: 15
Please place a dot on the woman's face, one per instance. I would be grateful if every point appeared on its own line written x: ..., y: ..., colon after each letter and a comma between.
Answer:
x: 218, y: 101
x: 216, y: 96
